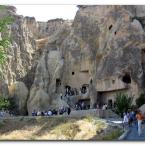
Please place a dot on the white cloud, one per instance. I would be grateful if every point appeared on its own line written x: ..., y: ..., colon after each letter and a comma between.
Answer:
x: 46, y: 12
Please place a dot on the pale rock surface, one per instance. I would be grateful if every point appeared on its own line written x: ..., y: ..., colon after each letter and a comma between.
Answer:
x: 19, y: 92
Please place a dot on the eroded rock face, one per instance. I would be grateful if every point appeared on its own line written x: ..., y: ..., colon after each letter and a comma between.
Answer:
x: 38, y: 100
x: 19, y: 93
x: 106, y: 42
x: 103, y: 47
x: 20, y: 53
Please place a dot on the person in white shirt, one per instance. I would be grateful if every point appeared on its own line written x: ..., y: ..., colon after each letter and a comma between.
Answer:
x: 49, y: 113
x: 39, y: 113
x: 104, y: 107
x: 125, y: 120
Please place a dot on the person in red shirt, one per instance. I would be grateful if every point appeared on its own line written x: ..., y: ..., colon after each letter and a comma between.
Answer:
x: 140, y: 118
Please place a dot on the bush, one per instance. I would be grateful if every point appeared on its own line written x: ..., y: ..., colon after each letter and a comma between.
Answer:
x: 123, y: 103
x: 7, y: 104
x: 141, y: 100
x: 4, y: 103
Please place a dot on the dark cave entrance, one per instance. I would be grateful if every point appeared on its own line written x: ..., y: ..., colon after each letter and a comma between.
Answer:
x: 73, y: 73
x: 126, y: 79
x: 58, y: 84
x: 110, y: 27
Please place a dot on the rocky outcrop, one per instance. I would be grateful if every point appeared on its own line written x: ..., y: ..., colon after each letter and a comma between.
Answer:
x: 106, y: 41
x: 51, y: 26
x: 20, y: 53
x: 103, y: 47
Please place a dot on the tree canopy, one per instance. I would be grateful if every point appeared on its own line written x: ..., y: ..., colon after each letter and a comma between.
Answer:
x: 4, y: 38
x: 123, y: 103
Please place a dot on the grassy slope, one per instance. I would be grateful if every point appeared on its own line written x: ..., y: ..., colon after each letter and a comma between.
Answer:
x: 51, y: 128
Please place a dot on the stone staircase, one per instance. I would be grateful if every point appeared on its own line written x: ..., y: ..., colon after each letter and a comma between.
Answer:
x: 69, y: 102
x: 93, y: 112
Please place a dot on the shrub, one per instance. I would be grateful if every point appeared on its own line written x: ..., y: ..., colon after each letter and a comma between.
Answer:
x: 123, y: 103
x: 7, y: 104
x: 4, y: 103
x: 141, y: 100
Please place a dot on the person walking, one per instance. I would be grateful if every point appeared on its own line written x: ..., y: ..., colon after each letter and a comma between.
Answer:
x: 140, y: 118
x: 125, y: 121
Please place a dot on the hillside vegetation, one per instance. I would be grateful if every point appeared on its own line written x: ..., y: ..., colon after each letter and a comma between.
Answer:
x: 52, y: 128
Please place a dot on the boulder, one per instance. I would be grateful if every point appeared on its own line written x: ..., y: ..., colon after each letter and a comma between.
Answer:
x: 4, y: 89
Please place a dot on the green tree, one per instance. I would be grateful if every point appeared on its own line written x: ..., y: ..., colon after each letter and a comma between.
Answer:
x: 4, y: 37
x: 5, y: 40
x: 123, y: 103
x: 141, y: 100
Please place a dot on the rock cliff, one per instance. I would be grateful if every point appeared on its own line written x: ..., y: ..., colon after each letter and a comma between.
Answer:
x: 103, y: 48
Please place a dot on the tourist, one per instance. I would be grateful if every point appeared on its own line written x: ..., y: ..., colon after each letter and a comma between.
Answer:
x: 125, y: 120
x: 76, y: 106
x: 34, y: 113
x: 82, y: 105
x: 54, y: 112
x: 97, y: 106
x: 61, y: 96
x: 61, y: 110
x: 68, y: 110
x: 45, y: 113
x: 103, y: 110
x: 104, y: 107
x: 140, y: 118
x: 131, y: 117
x: 42, y: 113
x: 49, y: 113
x: 39, y: 113
x: 1, y: 114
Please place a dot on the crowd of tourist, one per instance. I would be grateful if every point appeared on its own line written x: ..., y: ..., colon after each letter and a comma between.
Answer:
x: 6, y: 113
x: 134, y: 117
x: 51, y: 112
x: 81, y: 106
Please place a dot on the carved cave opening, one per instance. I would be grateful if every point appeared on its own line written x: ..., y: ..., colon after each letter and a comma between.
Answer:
x: 73, y: 73
x: 110, y: 27
x: 126, y: 79
x: 85, y: 103
x: 84, y: 88
x: 58, y: 84
x: 110, y: 103
x: 91, y: 81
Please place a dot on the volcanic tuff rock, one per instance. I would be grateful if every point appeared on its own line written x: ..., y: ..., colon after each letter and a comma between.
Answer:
x: 102, y: 47
x: 19, y: 93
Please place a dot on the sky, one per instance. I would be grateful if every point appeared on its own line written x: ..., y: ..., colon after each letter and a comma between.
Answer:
x: 44, y: 10
x: 47, y: 12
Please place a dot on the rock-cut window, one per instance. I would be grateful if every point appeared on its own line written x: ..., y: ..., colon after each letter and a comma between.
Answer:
x: 126, y: 79
x: 110, y: 27
x: 73, y: 73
